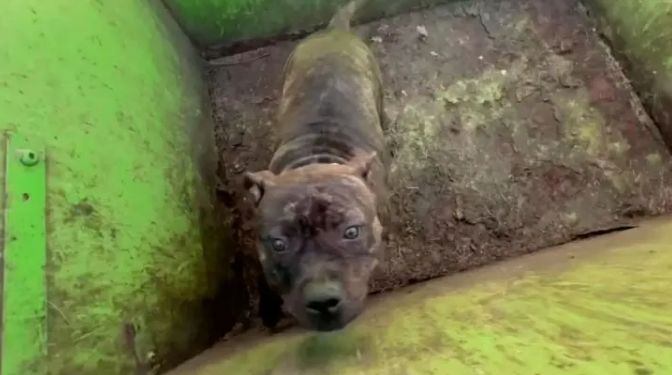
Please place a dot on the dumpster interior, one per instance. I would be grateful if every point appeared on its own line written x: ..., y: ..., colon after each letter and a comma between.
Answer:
x: 513, y: 129
x: 516, y: 126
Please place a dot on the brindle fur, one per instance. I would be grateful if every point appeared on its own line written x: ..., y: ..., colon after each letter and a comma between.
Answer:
x: 326, y: 175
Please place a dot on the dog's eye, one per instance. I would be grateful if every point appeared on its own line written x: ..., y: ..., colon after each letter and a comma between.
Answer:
x: 278, y: 245
x: 351, y: 233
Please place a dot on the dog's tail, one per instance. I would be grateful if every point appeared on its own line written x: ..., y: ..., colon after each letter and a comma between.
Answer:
x: 343, y: 17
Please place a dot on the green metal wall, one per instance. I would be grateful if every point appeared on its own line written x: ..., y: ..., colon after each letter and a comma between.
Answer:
x: 641, y: 37
x: 212, y: 23
x: 105, y: 267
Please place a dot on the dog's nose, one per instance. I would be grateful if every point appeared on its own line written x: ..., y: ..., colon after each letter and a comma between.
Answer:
x: 323, y: 298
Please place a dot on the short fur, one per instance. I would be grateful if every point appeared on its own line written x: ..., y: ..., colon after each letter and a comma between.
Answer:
x: 326, y: 176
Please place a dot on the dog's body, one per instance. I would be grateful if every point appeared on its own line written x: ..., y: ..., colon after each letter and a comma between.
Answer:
x: 317, y: 204
x: 331, y: 105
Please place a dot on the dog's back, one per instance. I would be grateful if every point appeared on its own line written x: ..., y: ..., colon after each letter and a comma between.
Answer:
x: 331, y: 105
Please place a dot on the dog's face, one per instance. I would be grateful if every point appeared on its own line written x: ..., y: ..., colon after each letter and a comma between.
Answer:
x: 318, y: 239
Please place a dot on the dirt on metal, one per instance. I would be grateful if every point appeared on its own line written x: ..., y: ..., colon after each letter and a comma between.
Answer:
x: 512, y: 129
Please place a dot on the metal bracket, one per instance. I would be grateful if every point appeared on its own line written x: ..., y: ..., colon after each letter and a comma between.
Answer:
x: 23, y: 257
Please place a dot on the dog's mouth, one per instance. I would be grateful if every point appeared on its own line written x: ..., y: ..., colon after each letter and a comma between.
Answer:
x: 328, y: 322
x: 335, y: 317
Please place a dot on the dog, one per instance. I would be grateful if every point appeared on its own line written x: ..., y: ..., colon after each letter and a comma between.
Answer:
x: 316, y: 207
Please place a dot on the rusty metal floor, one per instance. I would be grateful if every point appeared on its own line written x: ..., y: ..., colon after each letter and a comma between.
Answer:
x: 514, y: 130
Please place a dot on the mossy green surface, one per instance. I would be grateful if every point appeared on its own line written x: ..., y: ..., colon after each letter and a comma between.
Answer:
x: 595, y: 307
x: 640, y: 33
x: 644, y: 26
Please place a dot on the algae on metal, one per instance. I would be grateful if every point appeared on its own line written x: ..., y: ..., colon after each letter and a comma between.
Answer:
x: 598, y: 306
x: 641, y: 36
x: 212, y: 23
x: 107, y: 89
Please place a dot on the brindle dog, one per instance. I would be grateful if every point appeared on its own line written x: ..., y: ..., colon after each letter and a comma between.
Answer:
x: 317, y: 216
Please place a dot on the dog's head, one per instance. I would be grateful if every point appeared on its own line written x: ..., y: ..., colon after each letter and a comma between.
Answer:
x: 318, y: 238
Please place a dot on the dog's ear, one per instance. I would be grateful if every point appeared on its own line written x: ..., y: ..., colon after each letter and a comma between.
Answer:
x: 361, y: 164
x: 257, y: 183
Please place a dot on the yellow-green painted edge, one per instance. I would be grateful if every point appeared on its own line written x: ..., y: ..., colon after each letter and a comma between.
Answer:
x: 597, y: 307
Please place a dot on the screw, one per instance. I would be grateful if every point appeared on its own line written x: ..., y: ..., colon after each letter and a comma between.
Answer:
x: 28, y: 157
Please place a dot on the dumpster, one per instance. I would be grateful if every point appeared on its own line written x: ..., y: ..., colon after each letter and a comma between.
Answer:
x: 516, y: 126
